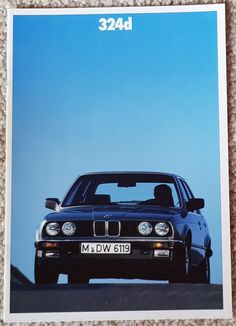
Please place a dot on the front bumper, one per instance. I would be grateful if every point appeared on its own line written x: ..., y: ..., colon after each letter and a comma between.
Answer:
x: 142, y: 262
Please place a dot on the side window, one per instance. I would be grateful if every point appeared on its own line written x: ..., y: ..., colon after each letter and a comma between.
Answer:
x: 186, y: 187
x: 189, y: 193
x: 185, y: 195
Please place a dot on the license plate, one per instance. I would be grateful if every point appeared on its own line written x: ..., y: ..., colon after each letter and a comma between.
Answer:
x: 105, y: 248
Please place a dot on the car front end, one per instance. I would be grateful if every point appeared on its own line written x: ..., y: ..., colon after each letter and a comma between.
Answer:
x: 110, y: 247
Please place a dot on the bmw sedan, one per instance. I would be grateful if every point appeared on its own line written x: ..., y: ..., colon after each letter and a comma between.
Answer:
x: 144, y: 225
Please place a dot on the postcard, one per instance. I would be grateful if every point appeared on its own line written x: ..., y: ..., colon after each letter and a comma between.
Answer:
x: 117, y: 203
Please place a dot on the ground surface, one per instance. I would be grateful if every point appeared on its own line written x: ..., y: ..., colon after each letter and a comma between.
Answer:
x: 114, y: 297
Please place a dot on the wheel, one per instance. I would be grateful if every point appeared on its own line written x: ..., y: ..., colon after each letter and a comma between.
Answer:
x: 77, y: 278
x: 44, y: 275
x: 206, y: 272
x: 202, y: 274
x: 187, y: 264
x: 183, y: 270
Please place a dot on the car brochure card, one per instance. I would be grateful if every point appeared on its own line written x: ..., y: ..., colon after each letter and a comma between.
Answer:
x: 117, y: 203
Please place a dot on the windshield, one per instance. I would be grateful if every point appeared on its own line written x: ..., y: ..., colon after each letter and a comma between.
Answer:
x: 124, y: 189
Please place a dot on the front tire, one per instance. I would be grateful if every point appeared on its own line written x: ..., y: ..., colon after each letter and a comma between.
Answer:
x: 183, y: 268
x: 203, y: 272
x: 44, y: 275
x: 75, y: 278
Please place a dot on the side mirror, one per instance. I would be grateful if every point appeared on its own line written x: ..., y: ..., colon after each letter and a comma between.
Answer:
x: 52, y: 203
x: 195, y: 203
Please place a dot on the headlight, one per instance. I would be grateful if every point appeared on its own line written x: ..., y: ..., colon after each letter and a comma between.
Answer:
x: 53, y: 228
x: 68, y: 228
x: 162, y: 228
x: 145, y: 228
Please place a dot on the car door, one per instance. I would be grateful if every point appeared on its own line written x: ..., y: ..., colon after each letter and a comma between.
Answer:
x: 200, y: 228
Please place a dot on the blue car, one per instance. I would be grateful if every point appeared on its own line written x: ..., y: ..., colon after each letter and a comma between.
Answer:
x: 144, y: 225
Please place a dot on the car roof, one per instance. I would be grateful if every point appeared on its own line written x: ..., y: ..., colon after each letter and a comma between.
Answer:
x: 132, y: 172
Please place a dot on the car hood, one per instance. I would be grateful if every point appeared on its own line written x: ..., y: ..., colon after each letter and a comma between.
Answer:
x: 113, y: 212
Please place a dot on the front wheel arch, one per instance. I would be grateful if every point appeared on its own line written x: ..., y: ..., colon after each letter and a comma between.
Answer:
x: 188, y: 239
x: 207, y: 241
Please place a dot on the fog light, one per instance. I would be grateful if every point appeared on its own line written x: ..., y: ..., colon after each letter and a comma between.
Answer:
x: 161, y: 253
x: 52, y: 254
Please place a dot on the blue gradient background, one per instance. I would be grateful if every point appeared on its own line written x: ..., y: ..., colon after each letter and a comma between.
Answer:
x: 86, y: 100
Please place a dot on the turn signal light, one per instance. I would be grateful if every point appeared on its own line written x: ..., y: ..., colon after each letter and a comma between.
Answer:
x: 51, y: 244
x: 157, y: 245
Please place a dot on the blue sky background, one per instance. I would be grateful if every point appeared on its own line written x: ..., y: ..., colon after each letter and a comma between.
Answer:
x: 86, y: 100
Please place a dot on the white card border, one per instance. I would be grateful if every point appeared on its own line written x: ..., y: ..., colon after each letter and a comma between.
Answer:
x: 226, y: 312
